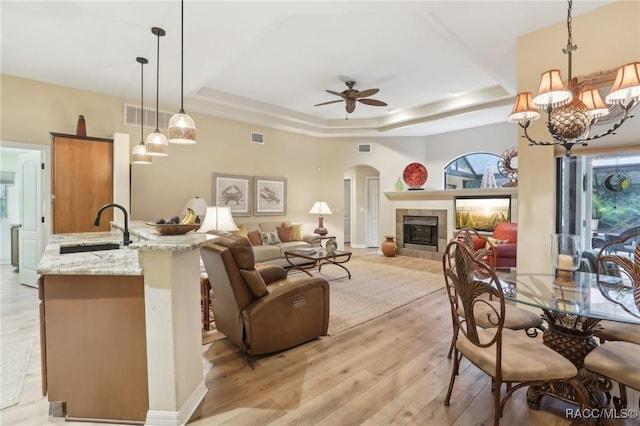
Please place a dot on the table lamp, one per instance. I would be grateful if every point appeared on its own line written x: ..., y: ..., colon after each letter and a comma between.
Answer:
x: 320, y: 208
x: 218, y: 219
x: 198, y: 205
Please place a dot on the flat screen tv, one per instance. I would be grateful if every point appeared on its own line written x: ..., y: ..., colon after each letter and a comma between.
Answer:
x: 482, y: 213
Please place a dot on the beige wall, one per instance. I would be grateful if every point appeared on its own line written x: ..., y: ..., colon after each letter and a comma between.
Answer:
x: 606, y: 38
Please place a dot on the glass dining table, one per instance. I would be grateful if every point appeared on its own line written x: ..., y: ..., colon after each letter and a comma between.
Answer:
x: 572, y: 314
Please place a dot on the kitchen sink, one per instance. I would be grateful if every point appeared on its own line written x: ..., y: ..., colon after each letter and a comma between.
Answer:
x: 80, y: 248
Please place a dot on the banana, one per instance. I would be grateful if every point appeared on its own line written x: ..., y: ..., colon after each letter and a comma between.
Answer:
x: 189, y: 218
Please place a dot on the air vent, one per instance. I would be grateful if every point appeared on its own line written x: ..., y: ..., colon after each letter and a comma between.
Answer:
x: 133, y: 117
x: 364, y: 147
x: 257, y: 137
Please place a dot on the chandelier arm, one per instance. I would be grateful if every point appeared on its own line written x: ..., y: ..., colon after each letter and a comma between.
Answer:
x: 525, y: 125
x: 615, y: 127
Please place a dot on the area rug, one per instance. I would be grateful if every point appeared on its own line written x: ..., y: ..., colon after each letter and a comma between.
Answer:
x: 373, y: 290
x: 15, y: 358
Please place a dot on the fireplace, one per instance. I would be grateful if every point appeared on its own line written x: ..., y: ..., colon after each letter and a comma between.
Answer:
x: 420, y: 232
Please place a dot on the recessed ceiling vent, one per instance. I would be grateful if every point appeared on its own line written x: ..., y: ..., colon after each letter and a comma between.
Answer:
x: 133, y: 117
x: 257, y: 138
x: 364, y: 147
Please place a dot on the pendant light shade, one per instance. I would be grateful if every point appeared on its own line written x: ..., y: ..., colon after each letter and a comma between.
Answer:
x: 182, y: 128
x: 156, y: 143
x: 139, y: 154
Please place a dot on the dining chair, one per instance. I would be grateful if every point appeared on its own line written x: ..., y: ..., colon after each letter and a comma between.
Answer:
x: 618, y: 361
x: 616, y: 358
x: 515, y: 318
x: 507, y: 356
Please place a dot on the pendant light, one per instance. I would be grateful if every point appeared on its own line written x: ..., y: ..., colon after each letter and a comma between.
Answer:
x: 182, y: 128
x: 139, y: 154
x: 157, y: 144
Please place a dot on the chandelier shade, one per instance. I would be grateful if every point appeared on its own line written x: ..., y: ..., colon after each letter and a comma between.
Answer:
x: 523, y: 109
x: 156, y: 143
x: 626, y: 85
x: 182, y: 128
x: 572, y: 110
x: 552, y: 91
x: 139, y: 153
x: 593, y: 101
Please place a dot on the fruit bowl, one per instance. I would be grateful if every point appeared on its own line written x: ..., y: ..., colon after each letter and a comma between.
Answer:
x: 173, y: 228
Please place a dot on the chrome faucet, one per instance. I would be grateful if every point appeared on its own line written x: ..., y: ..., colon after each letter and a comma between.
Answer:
x: 126, y: 240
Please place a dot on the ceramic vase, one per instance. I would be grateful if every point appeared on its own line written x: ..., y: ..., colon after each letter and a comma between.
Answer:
x: 389, y: 247
x: 331, y: 246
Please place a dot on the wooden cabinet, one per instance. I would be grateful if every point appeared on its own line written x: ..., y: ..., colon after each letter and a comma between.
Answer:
x: 82, y: 182
x: 93, y: 339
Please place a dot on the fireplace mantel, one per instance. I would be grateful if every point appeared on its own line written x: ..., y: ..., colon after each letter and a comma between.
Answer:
x: 448, y: 194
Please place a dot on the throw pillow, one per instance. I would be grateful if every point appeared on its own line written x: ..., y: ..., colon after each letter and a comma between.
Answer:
x: 285, y: 232
x: 494, y: 242
x: 254, y: 237
x: 270, y: 237
x: 296, y: 230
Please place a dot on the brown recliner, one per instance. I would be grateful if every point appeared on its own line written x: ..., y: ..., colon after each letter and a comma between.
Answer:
x: 259, y: 309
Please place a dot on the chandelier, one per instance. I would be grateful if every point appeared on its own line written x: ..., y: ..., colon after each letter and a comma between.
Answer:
x: 571, y: 113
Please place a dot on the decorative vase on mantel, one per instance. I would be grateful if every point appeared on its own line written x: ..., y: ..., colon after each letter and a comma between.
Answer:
x: 389, y: 247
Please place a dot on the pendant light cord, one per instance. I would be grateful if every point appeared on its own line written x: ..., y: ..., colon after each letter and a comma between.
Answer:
x: 182, y: 57
x: 159, y: 33
x: 142, y: 101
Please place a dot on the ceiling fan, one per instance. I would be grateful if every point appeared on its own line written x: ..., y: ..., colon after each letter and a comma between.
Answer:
x: 351, y: 95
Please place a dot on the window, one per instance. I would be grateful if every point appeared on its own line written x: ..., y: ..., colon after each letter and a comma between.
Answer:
x: 468, y: 171
x: 599, y: 195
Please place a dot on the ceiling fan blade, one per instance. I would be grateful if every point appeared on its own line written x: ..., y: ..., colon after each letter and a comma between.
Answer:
x: 330, y: 102
x: 368, y: 92
x: 351, y: 106
x: 373, y: 102
x: 336, y: 93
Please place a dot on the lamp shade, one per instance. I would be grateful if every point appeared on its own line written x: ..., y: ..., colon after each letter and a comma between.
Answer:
x: 320, y: 207
x: 593, y: 101
x: 218, y: 219
x: 552, y: 91
x: 198, y: 205
x: 523, y: 110
x: 139, y: 154
x: 157, y: 144
x: 182, y: 129
x: 626, y: 85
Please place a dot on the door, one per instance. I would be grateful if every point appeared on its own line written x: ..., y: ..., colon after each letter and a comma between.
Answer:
x: 82, y: 182
x: 31, y: 235
x: 347, y: 210
x: 372, y: 202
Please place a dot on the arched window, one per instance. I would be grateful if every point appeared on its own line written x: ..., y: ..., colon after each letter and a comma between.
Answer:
x: 467, y: 171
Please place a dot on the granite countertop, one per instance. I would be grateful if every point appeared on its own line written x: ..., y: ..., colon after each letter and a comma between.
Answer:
x: 123, y: 261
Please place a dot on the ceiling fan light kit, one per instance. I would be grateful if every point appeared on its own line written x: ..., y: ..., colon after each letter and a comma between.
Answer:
x: 571, y: 114
x: 351, y: 96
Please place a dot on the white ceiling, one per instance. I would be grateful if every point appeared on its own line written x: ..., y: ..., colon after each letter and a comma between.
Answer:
x: 270, y: 62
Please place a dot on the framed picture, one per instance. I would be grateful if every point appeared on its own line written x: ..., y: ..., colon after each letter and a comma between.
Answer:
x: 233, y: 191
x: 270, y: 195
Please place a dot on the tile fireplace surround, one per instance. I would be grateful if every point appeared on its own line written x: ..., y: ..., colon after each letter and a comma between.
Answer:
x: 442, y: 233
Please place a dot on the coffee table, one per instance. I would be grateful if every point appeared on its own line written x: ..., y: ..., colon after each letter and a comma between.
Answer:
x: 317, y: 258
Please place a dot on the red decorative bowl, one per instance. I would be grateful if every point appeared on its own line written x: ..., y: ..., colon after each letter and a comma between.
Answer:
x: 415, y: 175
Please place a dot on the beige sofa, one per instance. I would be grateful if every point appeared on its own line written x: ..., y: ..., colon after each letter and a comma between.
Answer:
x: 271, y: 251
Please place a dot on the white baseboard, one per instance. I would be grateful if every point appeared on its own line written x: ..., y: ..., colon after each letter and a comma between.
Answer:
x: 178, y: 418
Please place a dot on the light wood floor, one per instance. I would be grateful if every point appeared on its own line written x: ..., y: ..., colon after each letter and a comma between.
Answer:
x: 392, y: 370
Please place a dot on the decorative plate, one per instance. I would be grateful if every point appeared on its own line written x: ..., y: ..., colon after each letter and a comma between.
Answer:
x: 173, y: 228
x: 415, y: 175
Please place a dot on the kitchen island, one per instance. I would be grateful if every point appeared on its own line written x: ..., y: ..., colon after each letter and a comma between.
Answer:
x: 120, y: 329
